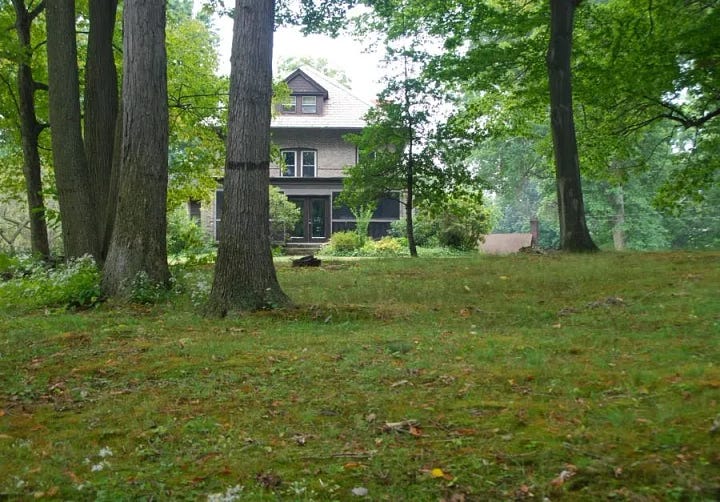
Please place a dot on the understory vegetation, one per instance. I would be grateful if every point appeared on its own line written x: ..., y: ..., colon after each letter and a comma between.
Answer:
x: 467, y: 378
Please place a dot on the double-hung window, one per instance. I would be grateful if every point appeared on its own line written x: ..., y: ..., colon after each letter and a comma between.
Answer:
x: 290, y: 159
x: 299, y: 163
x: 309, y: 104
x: 290, y: 106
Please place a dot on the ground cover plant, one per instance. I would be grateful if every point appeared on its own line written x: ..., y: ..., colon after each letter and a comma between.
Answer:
x: 467, y: 378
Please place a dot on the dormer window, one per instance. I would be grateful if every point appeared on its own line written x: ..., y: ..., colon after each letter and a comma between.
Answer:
x: 309, y: 104
x: 290, y: 105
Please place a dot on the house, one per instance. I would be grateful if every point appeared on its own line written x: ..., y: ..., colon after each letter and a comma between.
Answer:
x: 309, y: 130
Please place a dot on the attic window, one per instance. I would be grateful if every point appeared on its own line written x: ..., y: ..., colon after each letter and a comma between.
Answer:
x: 290, y: 105
x: 309, y: 104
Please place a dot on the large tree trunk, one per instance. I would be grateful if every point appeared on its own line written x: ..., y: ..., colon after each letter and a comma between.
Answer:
x: 574, y: 235
x: 410, y: 204
x: 138, y: 240
x: 30, y: 130
x: 77, y: 209
x: 101, y: 111
x: 245, y: 276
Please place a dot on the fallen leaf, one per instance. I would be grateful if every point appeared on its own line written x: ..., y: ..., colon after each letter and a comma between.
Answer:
x: 437, y: 473
x: 415, y: 431
x: 399, y: 383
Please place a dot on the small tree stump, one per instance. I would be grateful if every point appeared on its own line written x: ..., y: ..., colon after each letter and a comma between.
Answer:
x: 307, y: 261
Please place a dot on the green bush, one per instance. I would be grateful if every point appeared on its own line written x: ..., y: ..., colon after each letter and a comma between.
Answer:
x: 387, y: 246
x: 186, y: 239
x: 344, y: 242
x: 284, y: 215
x: 74, y: 284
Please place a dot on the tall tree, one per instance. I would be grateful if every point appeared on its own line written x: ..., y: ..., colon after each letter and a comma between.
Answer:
x: 245, y: 277
x: 75, y: 197
x: 101, y: 111
x: 138, y: 240
x: 574, y: 234
x: 30, y: 128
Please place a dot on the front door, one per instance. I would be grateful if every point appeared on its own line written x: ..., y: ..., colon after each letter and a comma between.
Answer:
x: 315, y: 220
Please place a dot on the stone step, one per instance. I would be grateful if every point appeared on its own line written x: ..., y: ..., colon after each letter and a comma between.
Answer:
x: 302, y: 248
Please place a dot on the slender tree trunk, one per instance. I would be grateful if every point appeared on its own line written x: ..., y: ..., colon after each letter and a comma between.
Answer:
x: 138, y: 244
x: 71, y: 174
x: 574, y: 235
x: 101, y: 112
x: 619, y: 228
x: 409, y: 204
x: 245, y: 276
x: 30, y: 130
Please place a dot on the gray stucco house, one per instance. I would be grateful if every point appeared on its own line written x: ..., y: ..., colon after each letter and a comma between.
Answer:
x: 309, y: 130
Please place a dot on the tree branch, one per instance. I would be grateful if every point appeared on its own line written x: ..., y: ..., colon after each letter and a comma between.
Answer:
x: 36, y: 11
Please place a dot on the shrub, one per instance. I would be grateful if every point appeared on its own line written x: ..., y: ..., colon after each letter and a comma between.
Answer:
x: 344, y: 242
x: 33, y: 284
x: 186, y: 239
x: 363, y: 215
x: 284, y: 215
x: 387, y: 246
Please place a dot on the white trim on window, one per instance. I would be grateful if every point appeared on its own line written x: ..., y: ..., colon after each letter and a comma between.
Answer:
x: 290, y: 168
x: 309, y: 163
x: 304, y: 164
x: 309, y: 104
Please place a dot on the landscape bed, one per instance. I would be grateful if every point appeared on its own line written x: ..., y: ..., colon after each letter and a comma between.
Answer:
x: 470, y: 378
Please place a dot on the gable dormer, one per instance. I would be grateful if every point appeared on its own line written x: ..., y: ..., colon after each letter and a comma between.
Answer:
x: 307, y: 97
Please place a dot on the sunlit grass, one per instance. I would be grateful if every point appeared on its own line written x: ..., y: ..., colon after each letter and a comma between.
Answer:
x: 513, y: 370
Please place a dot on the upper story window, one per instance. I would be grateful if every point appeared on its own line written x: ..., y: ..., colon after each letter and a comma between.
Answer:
x: 299, y: 163
x: 290, y: 106
x: 309, y: 104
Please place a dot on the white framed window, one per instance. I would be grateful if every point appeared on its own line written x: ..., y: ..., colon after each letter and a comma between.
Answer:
x: 309, y: 104
x: 309, y: 163
x: 290, y: 159
x: 299, y: 163
x: 290, y: 106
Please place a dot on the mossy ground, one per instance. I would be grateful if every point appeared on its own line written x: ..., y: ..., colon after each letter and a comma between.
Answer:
x: 474, y: 378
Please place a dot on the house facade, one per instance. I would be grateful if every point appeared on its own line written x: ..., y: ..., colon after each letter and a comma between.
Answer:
x: 309, y: 130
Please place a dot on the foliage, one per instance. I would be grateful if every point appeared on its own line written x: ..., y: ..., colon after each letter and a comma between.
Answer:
x: 363, y: 215
x: 284, y: 215
x: 458, y: 223
x: 32, y: 284
x: 343, y: 242
x: 197, y: 105
x: 320, y: 64
x: 385, y: 246
x: 512, y: 369
x: 186, y: 239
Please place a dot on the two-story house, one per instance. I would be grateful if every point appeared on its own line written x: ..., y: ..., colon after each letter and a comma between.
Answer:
x: 309, y: 130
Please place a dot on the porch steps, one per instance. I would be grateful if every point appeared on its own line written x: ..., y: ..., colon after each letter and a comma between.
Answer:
x: 302, y: 248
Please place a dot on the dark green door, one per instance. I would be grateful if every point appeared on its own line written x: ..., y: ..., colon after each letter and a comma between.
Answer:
x: 315, y: 222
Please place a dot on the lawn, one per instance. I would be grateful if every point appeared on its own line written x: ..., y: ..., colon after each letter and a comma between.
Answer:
x: 471, y: 378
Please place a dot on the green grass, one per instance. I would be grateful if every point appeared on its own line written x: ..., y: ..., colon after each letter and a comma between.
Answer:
x: 514, y: 370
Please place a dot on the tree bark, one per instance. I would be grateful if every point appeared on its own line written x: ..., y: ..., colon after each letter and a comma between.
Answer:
x: 245, y: 277
x: 138, y: 243
x: 574, y: 235
x: 618, y: 231
x: 101, y: 112
x: 77, y: 209
x: 30, y: 130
